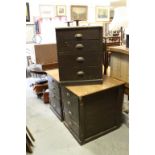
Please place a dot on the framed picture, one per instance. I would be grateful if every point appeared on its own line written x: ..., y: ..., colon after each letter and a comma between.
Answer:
x: 102, y: 13
x: 61, y: 10
x: 111, y: 14
x: 47, y: 11
x: 29, y: 33
x: 79, y: 12
x: 27, y: 12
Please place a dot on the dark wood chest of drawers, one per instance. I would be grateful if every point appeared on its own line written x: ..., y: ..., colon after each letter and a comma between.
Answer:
x: 80, y: 54
x: 90, y: 111
x: 55, y: 97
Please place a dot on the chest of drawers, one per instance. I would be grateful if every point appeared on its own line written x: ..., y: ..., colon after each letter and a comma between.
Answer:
x: 55, y: 97
x: 80, y: 54
x: 89, y: 115
x: 90, y: 111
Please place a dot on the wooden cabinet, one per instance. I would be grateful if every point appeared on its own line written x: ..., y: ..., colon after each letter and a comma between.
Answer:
x: 80, y: 52
x: 91, y: 110
x: 119, y: 63
x: 90, y: 114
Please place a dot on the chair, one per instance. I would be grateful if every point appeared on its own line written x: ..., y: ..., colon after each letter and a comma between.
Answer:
x: 40, y: 85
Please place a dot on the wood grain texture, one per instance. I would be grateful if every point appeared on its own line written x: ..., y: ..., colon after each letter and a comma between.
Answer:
x: 46, y: 53
x: 119, y: 63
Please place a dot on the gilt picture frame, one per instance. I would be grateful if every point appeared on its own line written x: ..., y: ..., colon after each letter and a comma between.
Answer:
x: 79, y: 12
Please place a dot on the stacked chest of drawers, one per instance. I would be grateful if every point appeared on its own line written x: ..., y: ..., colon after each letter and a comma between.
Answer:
x: 80, y: 54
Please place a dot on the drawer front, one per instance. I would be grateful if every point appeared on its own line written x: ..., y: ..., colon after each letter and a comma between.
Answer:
x: 53, y: 86
x: 53, y: 83
x: 71, y: 123
x: 70, y: 103
x: 79, y: 33
x: 74, y: 47
x: 56, y: 105
x: 85, y: 73
x: 80, y: 60
x: 54, y: 92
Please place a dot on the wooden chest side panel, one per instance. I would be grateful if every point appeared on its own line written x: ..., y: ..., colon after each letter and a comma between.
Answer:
x: 101, y: 111
x: 120, y: 66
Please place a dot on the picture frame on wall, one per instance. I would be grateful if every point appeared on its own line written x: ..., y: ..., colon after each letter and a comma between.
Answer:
x: 102, y: 13
x: 29, y: 33
x: 111, y: 14
x: 47, y: 11
x: 61, y: 10
x: 27, y: 12
x: 79, y: 12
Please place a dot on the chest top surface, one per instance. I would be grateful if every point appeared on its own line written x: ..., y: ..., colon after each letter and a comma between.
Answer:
x: 83, y: 90
x: 119, y: 49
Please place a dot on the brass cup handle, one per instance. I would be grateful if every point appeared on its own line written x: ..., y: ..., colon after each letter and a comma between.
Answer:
x: 70, y: 123
x: 80, y: 59
x: 68, y: 94
x: 80, y: 73
x: 53, y: 96
x: 78, y: 35
x: 68, y: 102
x: 79, y: 46
x: 69, y: 112
x: 53, y: 88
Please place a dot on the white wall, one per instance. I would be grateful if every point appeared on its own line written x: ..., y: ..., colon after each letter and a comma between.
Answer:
x: 47, y: 28
x: 34, y: 6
